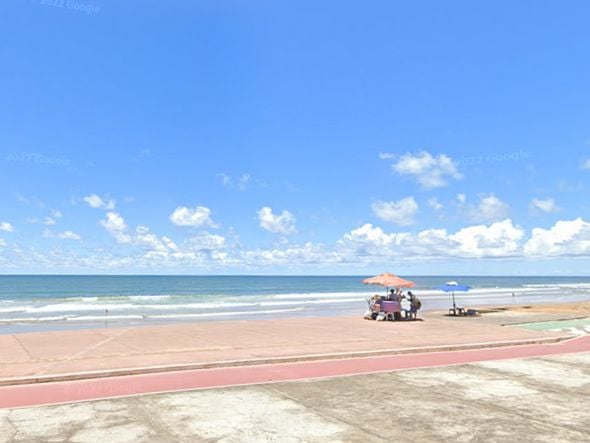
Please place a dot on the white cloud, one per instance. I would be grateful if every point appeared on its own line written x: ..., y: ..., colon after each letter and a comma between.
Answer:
x: 369, y: 241
x: 500, y: 239
x: 428, y: 170
x: 2, y: 243
x: 543, y: 205
x: 224, y: 178
x: 94, y: 201
x: 367, y: 244
x: 47, y: 220
x: 399, y: 212
x: 116, y: 226
x: 461, y: 199
x: 435, y: 204
x: 489, y: 209
x: 386, y: 156
x: 206, y: 241
x: 306, y: 254
x: 199, y: 216
x: 279, y: 224
x: 586, y: 164
x: 144, y: 238
x: 6, y: 227
x: 564, y: 238
x: 241, y: 183
x: 169, y: 243
x: 69, y: 235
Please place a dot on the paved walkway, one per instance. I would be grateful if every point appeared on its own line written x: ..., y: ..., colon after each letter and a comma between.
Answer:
x: 70, y: 391
x: 229, y: 343
x: 536, y: 399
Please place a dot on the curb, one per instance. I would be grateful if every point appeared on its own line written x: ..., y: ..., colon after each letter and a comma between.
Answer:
x: 267, y: 361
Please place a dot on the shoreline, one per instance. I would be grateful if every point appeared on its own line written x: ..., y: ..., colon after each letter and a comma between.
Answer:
x: 431, y: 303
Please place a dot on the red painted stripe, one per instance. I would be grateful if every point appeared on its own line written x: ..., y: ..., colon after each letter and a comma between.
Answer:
x: 65, y: 392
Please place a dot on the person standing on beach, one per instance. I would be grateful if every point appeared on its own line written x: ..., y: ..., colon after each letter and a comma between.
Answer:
x: 397, y: 297
x: 415, y: 304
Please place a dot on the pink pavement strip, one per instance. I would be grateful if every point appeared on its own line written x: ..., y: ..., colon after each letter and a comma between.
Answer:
x: 73, y: 391
x: 75, y: 352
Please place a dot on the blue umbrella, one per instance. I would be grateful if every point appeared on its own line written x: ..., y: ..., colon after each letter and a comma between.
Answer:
x: 453, y: 286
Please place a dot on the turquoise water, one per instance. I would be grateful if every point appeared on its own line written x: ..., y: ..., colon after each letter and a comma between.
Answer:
x: 57, y: 302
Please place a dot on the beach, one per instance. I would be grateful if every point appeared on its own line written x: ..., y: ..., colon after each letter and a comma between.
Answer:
x: 45, y: 303
x: 225, y: 343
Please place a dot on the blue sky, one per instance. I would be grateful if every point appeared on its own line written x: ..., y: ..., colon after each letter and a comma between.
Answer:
x: 294, y: 137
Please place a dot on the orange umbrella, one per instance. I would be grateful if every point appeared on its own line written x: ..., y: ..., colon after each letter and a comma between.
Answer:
x: 389, y: 280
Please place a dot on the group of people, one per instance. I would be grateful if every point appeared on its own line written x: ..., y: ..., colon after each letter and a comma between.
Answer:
x: 377, y: 311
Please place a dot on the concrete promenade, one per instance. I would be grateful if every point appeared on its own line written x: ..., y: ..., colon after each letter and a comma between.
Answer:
x: 116, y: 351
x: 301, y: 380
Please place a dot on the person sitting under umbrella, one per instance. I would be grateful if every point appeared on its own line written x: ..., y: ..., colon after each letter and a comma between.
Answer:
x: 396, y: 296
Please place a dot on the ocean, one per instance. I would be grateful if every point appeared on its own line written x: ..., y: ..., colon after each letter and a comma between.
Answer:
x: 42, y: 303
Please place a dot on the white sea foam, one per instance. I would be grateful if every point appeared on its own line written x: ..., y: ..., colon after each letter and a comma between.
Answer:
x: 110, y: 318
x: 314, y: 295
x: 309, y: 302
x: 13, y: 310
x: 77, y: 307
x: 559, y: 286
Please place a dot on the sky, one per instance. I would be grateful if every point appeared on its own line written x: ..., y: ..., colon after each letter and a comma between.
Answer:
x: 264, y: 137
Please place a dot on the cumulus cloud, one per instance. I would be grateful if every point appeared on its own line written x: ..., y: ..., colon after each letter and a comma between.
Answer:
x: 116, y: 226
x: 489, y: 209
x: 144, y: 238
x: 399, y: 212
x: 199, y: 216
x: 307, y: 254
x: 6, y: 227
x: 461, y: 199
x: 206, y: 241
x: 428, y: 170
x: 586, y: 164
x: 283, y: 223
x: 543, y: 205
x: 370, y: 241
x: 367, y: 244
x: 498, y: 240
x: 69, y: 235
x: 564, y: 238
x: 94, y: 201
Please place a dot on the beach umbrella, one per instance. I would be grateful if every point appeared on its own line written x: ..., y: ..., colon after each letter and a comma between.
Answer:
x: 389, y: 280
x: 453, y: 286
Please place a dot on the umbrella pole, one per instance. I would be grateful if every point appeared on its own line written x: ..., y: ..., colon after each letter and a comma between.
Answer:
x: 454, y: 306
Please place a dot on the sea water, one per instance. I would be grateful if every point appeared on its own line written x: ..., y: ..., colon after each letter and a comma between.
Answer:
x: 33, y: 303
